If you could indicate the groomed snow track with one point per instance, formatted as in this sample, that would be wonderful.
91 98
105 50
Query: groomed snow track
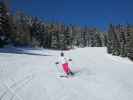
33 75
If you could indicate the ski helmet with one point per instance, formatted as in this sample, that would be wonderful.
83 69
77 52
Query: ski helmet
62 54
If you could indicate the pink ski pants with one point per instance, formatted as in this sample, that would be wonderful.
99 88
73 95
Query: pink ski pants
66 68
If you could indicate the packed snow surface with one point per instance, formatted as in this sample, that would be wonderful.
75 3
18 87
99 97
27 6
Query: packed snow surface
31 74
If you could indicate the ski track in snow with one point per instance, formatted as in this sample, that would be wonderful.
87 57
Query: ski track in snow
15 87
34 77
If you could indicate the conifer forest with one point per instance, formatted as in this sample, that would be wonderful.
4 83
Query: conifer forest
20 29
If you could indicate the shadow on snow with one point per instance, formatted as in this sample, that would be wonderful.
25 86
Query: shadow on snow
22 51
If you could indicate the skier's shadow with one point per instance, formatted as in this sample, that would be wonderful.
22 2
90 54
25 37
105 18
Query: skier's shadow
83 71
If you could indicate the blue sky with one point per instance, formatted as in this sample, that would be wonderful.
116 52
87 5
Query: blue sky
98 13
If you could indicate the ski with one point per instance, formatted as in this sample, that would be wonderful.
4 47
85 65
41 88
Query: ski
67 76
63 76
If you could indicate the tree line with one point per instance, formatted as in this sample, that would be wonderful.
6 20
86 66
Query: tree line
20 29
120 40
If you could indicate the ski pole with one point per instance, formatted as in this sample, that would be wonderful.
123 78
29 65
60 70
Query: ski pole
57 67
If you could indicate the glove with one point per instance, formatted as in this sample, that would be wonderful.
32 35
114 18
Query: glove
70 59
57 63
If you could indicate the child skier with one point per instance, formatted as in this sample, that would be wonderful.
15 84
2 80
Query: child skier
64 63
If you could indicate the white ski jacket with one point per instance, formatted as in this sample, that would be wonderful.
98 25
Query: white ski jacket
63 60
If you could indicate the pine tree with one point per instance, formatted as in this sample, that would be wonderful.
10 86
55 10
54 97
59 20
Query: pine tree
5 28
129 40
113 45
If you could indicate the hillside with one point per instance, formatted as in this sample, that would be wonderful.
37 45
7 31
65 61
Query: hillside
30 74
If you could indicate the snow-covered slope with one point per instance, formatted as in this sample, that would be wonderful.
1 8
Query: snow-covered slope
30 74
